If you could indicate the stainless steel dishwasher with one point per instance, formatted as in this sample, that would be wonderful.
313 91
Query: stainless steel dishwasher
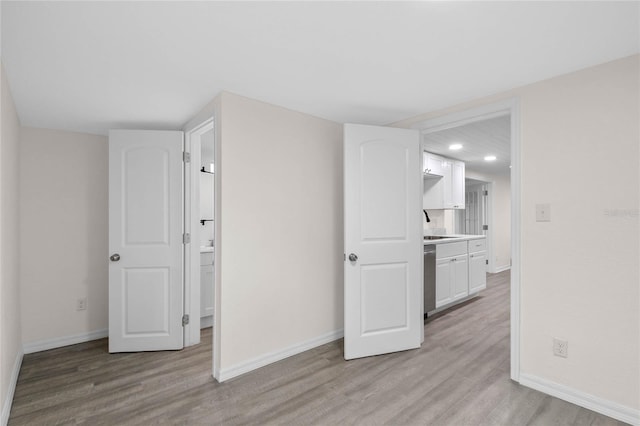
429 278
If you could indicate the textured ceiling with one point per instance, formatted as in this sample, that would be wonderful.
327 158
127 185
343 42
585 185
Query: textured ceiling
91 66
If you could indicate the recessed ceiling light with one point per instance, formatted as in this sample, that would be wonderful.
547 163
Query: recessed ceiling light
455 146
490 158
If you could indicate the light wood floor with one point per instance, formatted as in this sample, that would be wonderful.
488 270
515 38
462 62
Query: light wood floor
460 376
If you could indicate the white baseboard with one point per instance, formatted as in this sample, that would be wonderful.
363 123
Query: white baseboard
269 358
8 401
206 322
58 342
594 403
502 268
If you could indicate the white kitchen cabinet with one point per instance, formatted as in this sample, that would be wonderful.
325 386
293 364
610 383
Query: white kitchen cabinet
452 279
454 185
444 294
460 279
443 183
477 266
206 284
432 164
452 272
460 270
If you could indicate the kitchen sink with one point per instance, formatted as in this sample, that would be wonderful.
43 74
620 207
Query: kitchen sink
435 237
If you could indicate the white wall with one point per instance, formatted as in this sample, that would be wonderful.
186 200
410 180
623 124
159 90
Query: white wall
579 272
63 234
279 236
10 339
438 224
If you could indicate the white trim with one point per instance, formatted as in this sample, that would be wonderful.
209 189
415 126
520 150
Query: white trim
516 215
204 115
13 381
583 399
502 268
191 224
456 119
58 342
271 357
191 218
191 188
206 322
505 107
491 235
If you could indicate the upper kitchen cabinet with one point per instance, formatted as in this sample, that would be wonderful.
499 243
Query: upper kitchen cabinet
443 183
454 195
432 164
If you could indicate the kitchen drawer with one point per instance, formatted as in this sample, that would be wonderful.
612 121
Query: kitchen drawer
206 259
451 249
477 245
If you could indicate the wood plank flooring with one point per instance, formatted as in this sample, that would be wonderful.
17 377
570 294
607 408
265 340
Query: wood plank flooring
460 376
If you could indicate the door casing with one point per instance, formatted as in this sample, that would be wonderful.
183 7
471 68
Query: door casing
192 216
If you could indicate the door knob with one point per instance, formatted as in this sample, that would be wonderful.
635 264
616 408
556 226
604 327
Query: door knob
353 257
115 257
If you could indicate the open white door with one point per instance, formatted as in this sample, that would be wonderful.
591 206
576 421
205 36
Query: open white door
145 240
383 240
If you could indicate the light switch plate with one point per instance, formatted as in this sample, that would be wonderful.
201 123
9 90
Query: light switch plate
543 212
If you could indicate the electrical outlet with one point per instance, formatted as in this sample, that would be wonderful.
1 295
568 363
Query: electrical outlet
560 347
81 304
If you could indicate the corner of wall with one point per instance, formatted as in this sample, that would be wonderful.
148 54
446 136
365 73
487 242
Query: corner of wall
10 315
13 381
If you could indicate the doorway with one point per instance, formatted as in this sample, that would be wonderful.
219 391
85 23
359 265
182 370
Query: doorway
474 218
507 108
200 228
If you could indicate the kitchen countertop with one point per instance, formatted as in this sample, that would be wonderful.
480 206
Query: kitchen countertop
453 238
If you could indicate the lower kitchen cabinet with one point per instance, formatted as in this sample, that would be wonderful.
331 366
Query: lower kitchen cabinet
452 279
477 271
460 270
206 284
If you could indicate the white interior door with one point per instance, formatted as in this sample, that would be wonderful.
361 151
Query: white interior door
145 240
383 240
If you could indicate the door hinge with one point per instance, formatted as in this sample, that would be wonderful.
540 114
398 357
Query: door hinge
185 320
485 192
486 262
186 238
186 157
485 227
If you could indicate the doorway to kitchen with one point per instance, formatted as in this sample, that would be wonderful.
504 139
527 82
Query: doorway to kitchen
435 134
